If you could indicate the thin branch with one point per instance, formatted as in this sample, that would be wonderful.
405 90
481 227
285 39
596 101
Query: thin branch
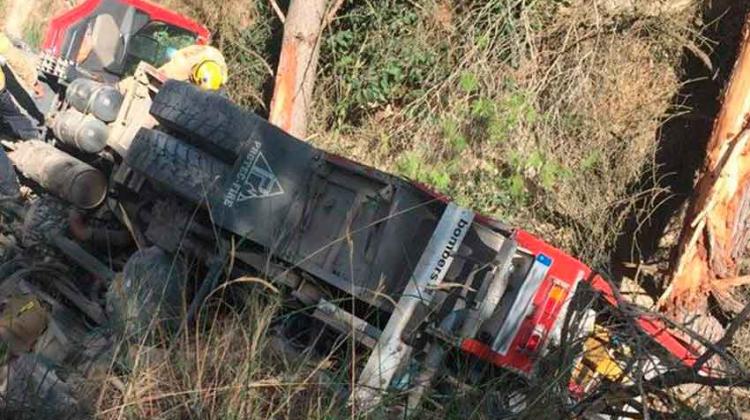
725 340
277 10
634 311
332 13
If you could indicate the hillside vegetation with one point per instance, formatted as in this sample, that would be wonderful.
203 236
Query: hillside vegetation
546 114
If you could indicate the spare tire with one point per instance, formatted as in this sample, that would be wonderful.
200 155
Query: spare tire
209 120
176 165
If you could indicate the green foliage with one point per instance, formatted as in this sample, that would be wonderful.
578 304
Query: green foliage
501 118
512 110
543 170
454 136
469 82
377 54
168 37
413 165
592 160
249 51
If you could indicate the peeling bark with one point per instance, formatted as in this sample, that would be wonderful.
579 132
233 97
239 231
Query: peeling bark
716 228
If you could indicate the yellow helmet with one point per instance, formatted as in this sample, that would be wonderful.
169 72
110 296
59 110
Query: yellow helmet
208 75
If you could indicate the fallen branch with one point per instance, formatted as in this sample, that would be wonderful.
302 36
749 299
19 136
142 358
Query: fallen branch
277 10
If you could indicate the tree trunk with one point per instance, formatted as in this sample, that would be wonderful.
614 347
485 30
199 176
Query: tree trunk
716 229
298 62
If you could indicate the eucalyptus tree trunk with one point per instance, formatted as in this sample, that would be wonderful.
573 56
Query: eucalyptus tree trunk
716 231
298 63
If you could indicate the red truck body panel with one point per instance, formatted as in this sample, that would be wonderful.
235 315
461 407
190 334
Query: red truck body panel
569 271
546 309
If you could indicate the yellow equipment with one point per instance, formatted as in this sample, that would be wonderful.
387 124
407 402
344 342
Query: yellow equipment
23 319
208 75
200 64
599 363
5 44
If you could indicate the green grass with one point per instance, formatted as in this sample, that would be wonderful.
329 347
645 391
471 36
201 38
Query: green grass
513 108
531 111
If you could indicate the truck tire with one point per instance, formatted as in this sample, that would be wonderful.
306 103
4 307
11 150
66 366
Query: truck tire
148 296
176 165
209 120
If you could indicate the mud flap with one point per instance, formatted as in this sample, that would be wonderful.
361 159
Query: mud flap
263 196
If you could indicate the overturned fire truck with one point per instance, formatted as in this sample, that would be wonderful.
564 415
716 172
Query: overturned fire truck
411 277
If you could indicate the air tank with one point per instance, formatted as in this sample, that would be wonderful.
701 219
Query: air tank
92 97
82 131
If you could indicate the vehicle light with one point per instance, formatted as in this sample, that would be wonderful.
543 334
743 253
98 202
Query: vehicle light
532 344
523 304
555 298
557 293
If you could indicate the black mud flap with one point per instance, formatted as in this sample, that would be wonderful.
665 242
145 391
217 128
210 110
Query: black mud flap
263 196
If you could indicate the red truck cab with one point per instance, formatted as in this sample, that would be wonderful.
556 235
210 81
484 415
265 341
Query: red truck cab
108 38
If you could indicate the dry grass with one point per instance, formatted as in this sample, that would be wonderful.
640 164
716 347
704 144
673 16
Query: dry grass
540 114
228 369
36 17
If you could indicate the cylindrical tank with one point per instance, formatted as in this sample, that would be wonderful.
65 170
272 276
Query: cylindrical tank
88 96
82 131
59 173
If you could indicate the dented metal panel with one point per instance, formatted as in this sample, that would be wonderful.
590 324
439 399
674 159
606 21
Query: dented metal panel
391 352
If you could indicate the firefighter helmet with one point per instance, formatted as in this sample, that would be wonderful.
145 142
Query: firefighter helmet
208 75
